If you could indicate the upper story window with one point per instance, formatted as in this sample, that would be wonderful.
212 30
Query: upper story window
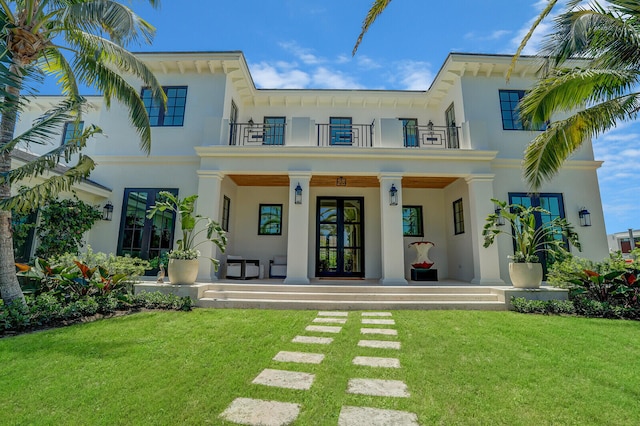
341 130
273 131
176 101
72 130
509 100
410 131
412 221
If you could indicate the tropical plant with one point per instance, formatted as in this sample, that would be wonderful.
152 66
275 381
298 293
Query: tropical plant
605 37
530 238
192 226
77 42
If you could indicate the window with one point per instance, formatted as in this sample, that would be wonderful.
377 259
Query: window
72 130
176 101
509 100
273 131
452 130
410 132
226 206
458 217
341 130
412 221
270 220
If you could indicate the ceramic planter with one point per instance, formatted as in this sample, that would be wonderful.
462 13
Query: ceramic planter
183 271
525 275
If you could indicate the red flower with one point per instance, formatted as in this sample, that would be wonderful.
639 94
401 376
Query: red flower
591 273
631 279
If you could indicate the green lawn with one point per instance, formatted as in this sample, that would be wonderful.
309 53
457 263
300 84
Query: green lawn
460 367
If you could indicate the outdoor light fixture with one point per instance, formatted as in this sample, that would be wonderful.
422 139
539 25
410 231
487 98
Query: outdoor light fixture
341 181
585 216
251 121
430 126
393 195
298 194
500 219
107 211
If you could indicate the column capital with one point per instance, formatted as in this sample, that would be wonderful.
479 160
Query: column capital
299 175
480 178
390 176
211 174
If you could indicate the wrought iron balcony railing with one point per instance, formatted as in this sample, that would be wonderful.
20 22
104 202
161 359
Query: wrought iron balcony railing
431 136
256 134
358 135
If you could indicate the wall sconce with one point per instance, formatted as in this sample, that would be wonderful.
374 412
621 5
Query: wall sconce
393 195
298 198
107 211
585 216
430 126
341 181
500 219
251 121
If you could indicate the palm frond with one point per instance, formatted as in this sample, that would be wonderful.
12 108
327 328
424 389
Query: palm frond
37 195
54 63
377 8
546 153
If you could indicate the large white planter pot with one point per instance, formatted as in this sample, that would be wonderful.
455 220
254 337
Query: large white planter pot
183 271
525 275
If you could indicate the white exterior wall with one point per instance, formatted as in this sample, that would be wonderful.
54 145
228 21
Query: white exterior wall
460 250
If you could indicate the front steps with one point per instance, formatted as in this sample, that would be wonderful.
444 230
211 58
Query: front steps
349 297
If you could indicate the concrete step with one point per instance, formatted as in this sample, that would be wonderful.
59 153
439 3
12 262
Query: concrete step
399 296
349 304
285 288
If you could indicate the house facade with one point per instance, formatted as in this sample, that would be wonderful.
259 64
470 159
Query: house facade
341 182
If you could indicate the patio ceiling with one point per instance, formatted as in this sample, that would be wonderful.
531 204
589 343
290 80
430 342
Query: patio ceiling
351 181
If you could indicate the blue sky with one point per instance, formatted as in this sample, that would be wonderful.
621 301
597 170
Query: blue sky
308 43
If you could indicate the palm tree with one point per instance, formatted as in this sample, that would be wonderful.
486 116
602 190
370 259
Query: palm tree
376 9
77 42
592 61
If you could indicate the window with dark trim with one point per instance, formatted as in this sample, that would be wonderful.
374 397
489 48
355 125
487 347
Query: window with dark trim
270 219
176 102
458 217
273 131
72 130
410 132
341 130
509 100
412 221
226 207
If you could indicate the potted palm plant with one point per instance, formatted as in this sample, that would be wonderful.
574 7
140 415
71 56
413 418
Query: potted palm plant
183 261
530 239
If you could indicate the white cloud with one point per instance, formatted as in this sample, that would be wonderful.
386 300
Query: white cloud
495 35
367 63
414 75
545 27
331 79
279 76
302 53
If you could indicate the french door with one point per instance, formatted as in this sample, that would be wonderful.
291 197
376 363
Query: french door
340 237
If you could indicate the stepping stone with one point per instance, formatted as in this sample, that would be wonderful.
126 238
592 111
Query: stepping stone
313 340
381 344
331 320
284 379
378 321
376 314
378 387
386 331
365 416
374 361
323 328
256 412
332 314
299 357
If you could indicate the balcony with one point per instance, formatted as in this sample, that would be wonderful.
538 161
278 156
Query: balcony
358 135
256 134
431 136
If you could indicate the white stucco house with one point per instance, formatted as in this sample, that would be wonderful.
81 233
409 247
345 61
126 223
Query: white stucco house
310 174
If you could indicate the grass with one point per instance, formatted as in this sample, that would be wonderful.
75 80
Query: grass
460 367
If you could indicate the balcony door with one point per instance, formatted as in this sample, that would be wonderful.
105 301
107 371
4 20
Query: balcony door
340 237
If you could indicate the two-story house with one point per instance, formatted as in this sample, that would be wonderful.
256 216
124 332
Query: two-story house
339 181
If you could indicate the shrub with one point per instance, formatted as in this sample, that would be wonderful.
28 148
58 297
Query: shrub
557 307
131 267
559 272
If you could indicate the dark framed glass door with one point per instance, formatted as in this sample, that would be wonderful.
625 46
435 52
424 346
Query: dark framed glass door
340 237
139 236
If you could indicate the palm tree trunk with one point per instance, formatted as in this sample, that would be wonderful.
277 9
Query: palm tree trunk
9 287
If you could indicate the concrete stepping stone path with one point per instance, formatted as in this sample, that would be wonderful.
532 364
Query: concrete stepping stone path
374 361
284 379
331 320
378 387
333 314
376 314
299 357
258 412
323 328
313 340
366 416
385 331
379 321
380 344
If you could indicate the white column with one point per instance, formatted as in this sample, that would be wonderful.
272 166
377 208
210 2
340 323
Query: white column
208 204
298 231
391 226
486 261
